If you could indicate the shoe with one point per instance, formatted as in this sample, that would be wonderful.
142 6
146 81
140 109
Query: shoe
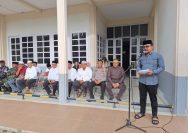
102 97
111 98
118 98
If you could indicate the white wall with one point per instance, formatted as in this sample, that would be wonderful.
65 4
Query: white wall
101 25
166 28
78 22
47 24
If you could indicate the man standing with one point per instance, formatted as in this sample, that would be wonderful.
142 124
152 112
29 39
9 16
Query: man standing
149 66
71 76
116 77
99 79
53 79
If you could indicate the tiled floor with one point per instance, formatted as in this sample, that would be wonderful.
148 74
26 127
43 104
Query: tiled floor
51 118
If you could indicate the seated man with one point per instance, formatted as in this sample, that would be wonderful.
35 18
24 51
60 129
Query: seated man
3 73
53 79
83 79
11 76
29 79
35 64
71 76
99 79
20 74
116 76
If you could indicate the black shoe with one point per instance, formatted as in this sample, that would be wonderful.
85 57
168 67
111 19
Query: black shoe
111 98
118 99
92 97
102 97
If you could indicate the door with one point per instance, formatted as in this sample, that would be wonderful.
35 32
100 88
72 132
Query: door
114 49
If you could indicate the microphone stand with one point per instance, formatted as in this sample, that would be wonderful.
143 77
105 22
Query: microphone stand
129 123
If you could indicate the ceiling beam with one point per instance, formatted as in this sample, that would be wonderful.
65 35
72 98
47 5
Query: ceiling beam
111 2
35 8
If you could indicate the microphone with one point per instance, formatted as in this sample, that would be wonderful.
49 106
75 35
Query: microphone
159 105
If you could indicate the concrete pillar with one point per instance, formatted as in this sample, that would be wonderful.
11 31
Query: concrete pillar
181 58
62 49
92 36
3 45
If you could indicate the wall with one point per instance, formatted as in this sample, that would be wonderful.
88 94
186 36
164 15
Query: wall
101 24
46 23
171 39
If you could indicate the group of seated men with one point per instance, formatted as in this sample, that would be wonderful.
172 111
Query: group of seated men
86 78
81 78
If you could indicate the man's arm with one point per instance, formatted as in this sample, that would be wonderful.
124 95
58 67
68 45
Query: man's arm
161 65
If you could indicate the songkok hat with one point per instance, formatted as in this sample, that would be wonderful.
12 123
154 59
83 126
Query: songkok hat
70 62
54 62
15 62
147 42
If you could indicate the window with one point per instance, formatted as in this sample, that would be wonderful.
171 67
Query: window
43 49
27 49
15 48
118 32
55 47
79 46
100 47
110 32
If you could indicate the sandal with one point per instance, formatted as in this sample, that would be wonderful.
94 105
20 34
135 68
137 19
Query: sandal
139 115
155 120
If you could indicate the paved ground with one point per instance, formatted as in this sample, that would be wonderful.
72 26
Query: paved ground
53 118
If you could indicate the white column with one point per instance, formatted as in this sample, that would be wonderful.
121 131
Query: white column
93 35
3 47
62 49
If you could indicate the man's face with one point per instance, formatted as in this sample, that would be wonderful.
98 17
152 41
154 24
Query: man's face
148 48
29 65
115 64
2 64
69 65
14 65
99 64
34 64
54 65
84 66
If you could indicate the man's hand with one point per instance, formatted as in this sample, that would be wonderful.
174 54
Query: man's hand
81 81
150 72
97 82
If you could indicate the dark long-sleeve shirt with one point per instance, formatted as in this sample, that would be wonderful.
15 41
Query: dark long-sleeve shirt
116 75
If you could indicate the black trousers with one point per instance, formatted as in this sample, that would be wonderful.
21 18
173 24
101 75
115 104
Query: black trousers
84 87
102 85
152 90
55 87
70 83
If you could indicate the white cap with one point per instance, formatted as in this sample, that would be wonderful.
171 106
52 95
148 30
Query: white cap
84 62
21 62
29 61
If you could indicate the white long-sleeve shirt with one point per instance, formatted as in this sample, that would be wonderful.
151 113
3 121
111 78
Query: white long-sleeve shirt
72 74
85 75
31 73
53 74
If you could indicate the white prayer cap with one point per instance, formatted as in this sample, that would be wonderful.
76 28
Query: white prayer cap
29 61
84 62
21 62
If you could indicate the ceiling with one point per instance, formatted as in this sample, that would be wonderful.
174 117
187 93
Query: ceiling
111 9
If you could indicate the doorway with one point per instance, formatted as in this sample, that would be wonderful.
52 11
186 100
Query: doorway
126 54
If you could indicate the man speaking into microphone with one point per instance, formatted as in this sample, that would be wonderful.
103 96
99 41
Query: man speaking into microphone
150 64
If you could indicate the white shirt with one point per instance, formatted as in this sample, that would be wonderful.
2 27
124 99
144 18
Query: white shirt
31 73
38 70
72 74
53 74
85 75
